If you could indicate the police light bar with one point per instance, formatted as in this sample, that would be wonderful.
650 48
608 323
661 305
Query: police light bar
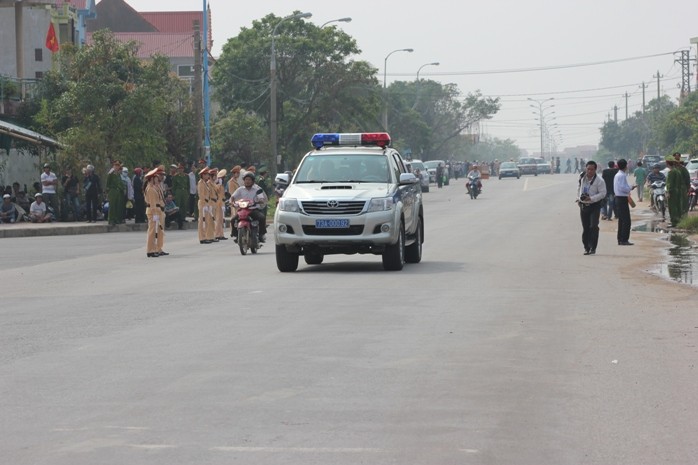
381 139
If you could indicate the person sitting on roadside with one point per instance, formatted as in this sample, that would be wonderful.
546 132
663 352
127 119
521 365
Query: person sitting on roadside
171 211
8 211
38 213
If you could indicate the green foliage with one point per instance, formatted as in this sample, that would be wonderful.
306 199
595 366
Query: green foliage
490 149
640 133
320 88
104 103
679 131
240 138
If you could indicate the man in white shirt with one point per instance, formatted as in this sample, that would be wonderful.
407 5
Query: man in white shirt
49 181
622 190
38 213
590 195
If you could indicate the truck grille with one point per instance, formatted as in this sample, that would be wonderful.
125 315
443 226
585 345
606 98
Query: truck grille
350 231
333 207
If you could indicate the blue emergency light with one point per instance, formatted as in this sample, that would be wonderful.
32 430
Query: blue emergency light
381 139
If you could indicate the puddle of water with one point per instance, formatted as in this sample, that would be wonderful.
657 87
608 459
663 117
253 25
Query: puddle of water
652 226
682 260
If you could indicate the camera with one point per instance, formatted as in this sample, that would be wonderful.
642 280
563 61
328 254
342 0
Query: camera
584 197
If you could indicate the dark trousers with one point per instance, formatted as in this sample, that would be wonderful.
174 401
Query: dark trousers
590 225
623 214
91 205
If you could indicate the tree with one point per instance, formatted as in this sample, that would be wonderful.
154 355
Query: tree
679 130
239 138
319 87
103 103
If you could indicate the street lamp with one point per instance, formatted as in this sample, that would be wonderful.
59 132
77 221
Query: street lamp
540 104
272 71
436 63
340 20
385 75
419 87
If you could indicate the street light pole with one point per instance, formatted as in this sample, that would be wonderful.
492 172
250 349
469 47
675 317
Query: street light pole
272 71
436 63
340 20
419 87
540 115
385 75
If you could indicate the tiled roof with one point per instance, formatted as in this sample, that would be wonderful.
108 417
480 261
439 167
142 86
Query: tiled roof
118 16
173 45
178 21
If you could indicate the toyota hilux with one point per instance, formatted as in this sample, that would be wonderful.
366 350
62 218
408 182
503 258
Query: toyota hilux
351 194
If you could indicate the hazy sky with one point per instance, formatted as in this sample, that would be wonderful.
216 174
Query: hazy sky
496 35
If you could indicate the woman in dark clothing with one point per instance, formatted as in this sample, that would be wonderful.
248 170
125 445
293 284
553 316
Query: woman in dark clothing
138 196
92 188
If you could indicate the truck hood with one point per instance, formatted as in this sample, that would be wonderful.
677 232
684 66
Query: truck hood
338 191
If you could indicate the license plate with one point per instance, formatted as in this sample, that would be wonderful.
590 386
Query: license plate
333 223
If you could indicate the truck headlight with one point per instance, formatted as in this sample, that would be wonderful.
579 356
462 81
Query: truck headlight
381 204
289 205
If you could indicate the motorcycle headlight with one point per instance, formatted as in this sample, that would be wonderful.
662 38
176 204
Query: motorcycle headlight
289 205
381 204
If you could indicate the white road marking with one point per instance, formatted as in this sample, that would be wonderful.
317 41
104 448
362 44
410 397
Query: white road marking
312 450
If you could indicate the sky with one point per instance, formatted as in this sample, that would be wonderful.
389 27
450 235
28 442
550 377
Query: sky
634 40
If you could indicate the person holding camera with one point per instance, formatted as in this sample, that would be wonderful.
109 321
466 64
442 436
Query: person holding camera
591 193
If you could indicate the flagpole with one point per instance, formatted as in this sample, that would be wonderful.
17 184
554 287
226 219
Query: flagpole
207 116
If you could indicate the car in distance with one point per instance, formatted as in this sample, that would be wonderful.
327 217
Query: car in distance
528 166
542 166
415 165
431 167
648 161
351 194
692 167
508 169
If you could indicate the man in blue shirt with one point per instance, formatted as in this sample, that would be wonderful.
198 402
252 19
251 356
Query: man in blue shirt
621 190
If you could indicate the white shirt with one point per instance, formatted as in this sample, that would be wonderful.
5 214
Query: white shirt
621 188
192 183
243 192
38 210
51 189
594 187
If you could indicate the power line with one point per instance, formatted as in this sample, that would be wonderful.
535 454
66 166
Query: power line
539 68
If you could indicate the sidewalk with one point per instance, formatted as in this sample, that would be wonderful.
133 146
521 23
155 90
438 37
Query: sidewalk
24 229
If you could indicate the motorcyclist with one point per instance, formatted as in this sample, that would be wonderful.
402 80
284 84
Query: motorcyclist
473 176
249 191
655 175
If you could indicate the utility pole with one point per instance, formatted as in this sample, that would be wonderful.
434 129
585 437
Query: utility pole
198 92
615 113
685 62
626 105
643 86
658 77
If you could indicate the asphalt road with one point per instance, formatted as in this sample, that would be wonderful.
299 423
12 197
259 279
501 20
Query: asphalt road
504 346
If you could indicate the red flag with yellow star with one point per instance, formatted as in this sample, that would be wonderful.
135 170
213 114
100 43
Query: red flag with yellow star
51 39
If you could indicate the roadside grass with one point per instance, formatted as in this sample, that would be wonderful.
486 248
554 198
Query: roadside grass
689 223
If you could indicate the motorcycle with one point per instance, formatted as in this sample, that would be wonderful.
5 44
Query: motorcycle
474 186
659 197
248 228
692 194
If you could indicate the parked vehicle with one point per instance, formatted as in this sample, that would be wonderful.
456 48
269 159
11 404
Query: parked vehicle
415 165
431 167
658 193
542 166
528 166
692 194
248 228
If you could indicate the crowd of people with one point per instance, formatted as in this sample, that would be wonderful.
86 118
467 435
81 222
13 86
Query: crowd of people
611 195
119 197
